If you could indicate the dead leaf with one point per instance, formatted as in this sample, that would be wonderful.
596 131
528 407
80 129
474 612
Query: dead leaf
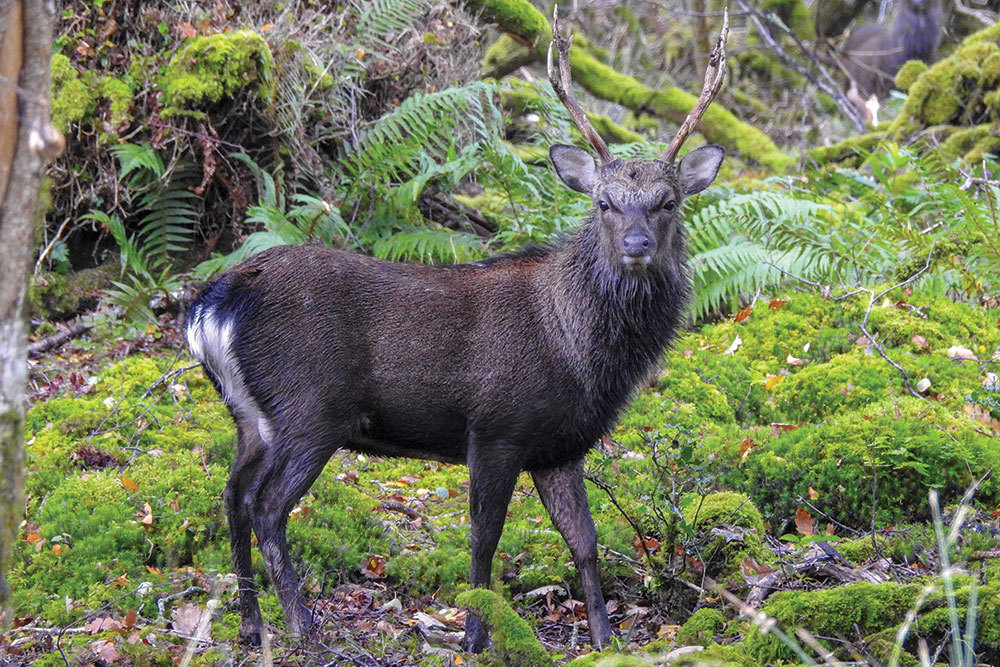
746 447
734 346
373 567
743 314
32 538
106 651
772 381
147 519
752 568
863 340
923 385
794 361
128 484
830 529
187 617
57 549
977 412
813 493
101 625
778 427
131 617
804 522
919 341
775 304
186 30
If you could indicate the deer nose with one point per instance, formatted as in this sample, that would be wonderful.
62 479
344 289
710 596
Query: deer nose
636 244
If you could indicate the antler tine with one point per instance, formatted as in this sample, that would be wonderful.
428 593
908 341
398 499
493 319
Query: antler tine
561 80
713 83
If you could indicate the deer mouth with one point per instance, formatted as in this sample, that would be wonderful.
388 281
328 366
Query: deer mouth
636 262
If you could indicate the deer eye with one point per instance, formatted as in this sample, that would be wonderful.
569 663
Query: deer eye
603 205
670 205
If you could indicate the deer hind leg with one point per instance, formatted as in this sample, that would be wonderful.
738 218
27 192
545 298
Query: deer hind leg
250 449
493 470
565 498
290 466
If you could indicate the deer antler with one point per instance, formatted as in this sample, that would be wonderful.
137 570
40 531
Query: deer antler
713 82
562 80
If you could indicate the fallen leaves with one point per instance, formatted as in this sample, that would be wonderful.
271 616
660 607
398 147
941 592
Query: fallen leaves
187 617
805 524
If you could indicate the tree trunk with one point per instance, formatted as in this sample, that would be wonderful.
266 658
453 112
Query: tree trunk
27 142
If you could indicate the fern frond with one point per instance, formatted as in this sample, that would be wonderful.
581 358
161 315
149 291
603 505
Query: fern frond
380 17
431 124
132 157
432 246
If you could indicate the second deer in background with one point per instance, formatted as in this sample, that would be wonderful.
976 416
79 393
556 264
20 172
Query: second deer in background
875 52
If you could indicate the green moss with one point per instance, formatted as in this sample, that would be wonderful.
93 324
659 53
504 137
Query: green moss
848 151
212 67
73 94
971 144
517 17
908 73
612 132
854 610
500 53
120 99
940 94
513 641
701 628
723 556
795 14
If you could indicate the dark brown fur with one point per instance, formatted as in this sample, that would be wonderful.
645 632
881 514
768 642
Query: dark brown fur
875 52
516 363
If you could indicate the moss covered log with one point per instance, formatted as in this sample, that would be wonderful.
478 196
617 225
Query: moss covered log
529 27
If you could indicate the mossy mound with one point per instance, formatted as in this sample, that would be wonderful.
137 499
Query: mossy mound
75 96
513 641
701 628
724 554
957 89
212 67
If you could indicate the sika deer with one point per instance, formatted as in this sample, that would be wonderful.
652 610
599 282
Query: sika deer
521 362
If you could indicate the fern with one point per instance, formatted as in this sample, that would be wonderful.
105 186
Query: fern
167 213
432 124
379 17
430 246
309 218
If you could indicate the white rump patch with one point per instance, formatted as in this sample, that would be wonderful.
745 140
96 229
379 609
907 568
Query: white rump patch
211 341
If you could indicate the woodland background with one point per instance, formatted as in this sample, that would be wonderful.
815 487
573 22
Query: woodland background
820 441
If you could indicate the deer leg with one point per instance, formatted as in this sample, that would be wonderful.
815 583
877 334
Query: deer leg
244 469
493 470
565 497
289 471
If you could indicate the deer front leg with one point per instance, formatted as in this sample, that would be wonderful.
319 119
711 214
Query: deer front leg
565 497
493 470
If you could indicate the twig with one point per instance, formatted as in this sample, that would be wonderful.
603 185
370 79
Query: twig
161 603
395 506
833 91
603 486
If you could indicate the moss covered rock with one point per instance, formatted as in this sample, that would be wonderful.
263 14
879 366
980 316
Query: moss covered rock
212 67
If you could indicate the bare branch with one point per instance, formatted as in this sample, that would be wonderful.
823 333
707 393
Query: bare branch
714 74
562 82
824 83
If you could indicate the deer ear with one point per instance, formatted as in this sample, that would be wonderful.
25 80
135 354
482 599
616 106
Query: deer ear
698 168
575 166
